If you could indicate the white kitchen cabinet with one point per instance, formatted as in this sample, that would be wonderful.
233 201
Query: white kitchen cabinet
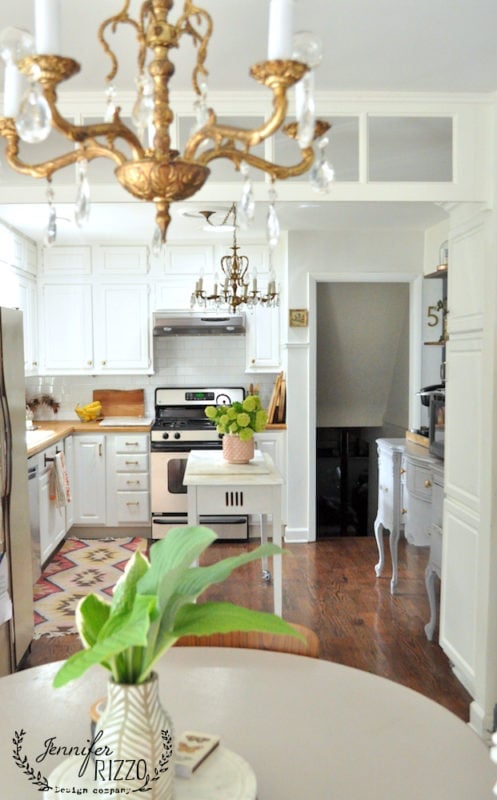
128 479
89 479
178 270
121 259
121 327
95 329
263 339
66 260
391 511
52 517
18 289
66 312
27 302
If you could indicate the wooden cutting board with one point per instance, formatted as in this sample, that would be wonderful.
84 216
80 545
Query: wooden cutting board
121 402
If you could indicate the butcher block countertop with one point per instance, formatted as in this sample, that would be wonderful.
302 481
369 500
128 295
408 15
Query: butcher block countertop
63 428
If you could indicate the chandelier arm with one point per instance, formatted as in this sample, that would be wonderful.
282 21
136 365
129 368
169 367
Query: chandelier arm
276 171
249 138
81 133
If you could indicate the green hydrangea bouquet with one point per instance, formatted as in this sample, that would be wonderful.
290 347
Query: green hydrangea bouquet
241 419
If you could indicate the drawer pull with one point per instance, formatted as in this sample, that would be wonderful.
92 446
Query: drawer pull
129 503
131 444
428 484
131 483
131 462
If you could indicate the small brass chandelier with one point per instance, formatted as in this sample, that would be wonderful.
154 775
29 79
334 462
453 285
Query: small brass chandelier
145 164
238 286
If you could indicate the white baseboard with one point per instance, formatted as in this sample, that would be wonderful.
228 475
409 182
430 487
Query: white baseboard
297 535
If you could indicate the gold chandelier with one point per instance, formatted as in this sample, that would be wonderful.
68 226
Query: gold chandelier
237 285
152 171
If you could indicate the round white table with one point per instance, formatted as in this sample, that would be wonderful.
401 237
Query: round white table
309 728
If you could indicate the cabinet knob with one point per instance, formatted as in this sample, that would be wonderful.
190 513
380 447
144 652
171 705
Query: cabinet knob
427 484
404 511
104 363
402 471
89 363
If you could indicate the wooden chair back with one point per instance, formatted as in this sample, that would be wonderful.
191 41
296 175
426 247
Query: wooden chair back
259 641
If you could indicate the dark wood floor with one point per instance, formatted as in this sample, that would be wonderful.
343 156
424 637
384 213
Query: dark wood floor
330 586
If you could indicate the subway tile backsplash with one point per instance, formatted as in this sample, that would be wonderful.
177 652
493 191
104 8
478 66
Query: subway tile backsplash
178 361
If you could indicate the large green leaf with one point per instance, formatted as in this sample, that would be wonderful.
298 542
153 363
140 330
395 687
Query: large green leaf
200 619
120 633
199 578
92 612
180 546
125 589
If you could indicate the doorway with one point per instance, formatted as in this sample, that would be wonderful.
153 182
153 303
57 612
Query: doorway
362 393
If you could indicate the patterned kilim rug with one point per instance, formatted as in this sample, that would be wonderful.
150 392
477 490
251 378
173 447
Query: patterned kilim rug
80 566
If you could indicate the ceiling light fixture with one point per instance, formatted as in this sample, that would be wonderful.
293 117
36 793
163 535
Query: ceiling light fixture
146 165
238 285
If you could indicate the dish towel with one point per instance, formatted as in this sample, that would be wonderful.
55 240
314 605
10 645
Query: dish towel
60 489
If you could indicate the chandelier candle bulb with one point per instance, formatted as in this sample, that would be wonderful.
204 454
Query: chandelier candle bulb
13 85
47 27
280 36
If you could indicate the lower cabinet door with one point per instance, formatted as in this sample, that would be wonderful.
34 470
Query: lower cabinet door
89 480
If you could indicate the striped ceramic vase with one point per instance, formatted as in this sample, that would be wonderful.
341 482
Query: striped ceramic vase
133 743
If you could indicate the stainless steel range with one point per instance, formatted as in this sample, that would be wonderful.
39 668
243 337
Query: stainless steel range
180 426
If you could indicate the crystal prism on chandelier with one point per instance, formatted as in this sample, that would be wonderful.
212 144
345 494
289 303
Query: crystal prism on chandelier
146 165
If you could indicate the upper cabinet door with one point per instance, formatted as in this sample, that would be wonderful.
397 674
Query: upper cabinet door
66 260
121 260
66 330
122 327
263 339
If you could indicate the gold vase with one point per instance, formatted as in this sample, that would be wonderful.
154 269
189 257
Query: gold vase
236 450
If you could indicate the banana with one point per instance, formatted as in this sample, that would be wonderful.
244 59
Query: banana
89 412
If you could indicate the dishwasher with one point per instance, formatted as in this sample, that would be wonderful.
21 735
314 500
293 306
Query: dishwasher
34 516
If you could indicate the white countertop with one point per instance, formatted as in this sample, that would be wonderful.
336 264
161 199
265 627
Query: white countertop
210 467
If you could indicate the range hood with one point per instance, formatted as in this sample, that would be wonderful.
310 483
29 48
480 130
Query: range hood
191 323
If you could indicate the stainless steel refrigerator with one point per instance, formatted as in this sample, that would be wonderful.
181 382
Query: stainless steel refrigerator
16 575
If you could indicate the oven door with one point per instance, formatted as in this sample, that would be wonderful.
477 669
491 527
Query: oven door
168 493
169 500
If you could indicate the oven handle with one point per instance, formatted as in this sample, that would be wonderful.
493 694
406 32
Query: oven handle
183 448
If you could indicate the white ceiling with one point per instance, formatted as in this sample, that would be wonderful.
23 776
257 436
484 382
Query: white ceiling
425 46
